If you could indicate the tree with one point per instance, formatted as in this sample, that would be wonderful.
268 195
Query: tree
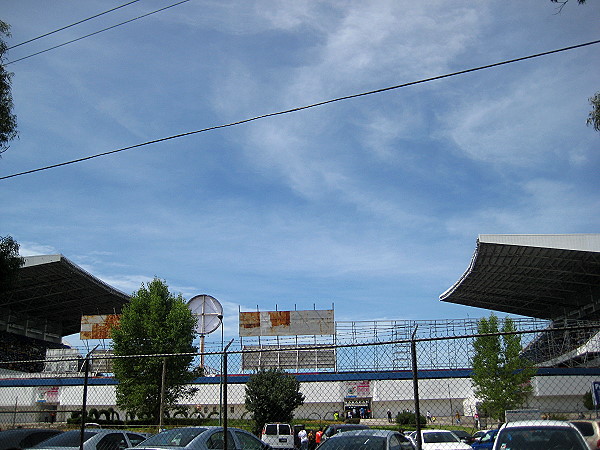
594 116
8 121
588 401
501 378
272 396
10 262
153 322
564 2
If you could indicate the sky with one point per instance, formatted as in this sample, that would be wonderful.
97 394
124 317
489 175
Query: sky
371 205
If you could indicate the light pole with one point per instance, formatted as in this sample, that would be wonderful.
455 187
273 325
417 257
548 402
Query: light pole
220 317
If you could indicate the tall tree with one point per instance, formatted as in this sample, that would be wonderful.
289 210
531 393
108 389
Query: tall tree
272 396
501 378
8 121
153 322
10 262
594 116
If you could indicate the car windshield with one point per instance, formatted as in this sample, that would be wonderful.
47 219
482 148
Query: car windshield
66 439
439 436
177 437
562 438
345 442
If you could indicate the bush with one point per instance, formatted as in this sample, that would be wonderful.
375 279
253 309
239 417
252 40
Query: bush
408 418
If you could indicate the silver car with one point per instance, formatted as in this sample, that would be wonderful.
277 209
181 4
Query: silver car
93 439
203 438
367 440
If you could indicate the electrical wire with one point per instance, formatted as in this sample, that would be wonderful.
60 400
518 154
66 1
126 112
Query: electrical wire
96 32
72 25
301 108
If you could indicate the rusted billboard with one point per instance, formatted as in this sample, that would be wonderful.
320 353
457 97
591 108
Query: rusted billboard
287 323
98 327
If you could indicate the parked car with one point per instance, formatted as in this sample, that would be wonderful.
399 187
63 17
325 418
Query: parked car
590 429
341 428
486 441
479 434
439 440
539 435
93 439
463 436
203 438
278 435
21 438
367 440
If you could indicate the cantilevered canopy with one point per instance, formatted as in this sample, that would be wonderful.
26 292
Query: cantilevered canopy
543 276
52 294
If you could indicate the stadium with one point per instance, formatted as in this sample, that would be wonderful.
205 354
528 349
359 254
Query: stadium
549 283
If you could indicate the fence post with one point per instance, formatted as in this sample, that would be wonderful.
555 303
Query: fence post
413 352
86 368
162 395
224 356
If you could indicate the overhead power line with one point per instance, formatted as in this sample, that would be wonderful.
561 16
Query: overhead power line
73 24
301 108
96 32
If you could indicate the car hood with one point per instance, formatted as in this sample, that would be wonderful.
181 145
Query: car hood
447 446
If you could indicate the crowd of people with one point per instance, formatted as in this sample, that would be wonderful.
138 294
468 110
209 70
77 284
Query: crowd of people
310 439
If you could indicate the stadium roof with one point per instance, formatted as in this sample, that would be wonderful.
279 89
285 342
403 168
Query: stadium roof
53 292
543 276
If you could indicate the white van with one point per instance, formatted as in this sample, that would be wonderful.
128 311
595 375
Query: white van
278 435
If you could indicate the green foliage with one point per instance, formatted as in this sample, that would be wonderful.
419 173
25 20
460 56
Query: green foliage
408 418
272 396
500 376
594 116
8 121
154 322
588 401
10 262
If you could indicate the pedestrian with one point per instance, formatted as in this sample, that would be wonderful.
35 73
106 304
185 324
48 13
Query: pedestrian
336 416
319 436
476 419
457 415
389 414
429 417
303 436
311 440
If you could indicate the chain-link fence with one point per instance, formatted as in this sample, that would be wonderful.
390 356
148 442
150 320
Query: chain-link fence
382 383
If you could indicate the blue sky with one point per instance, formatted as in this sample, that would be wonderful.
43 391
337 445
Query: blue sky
372 204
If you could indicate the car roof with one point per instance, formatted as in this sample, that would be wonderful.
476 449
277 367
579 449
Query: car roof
435 431
366 432
18 431
537 423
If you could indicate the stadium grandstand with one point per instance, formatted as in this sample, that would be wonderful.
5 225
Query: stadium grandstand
550 277
45 304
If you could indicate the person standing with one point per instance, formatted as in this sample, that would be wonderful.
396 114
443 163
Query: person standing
389 414
311 440
429 416
303 436
319 436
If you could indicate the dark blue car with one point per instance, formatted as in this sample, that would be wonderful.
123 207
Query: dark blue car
486 441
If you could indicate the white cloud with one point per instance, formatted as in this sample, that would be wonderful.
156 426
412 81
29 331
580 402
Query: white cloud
27 248
542 206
